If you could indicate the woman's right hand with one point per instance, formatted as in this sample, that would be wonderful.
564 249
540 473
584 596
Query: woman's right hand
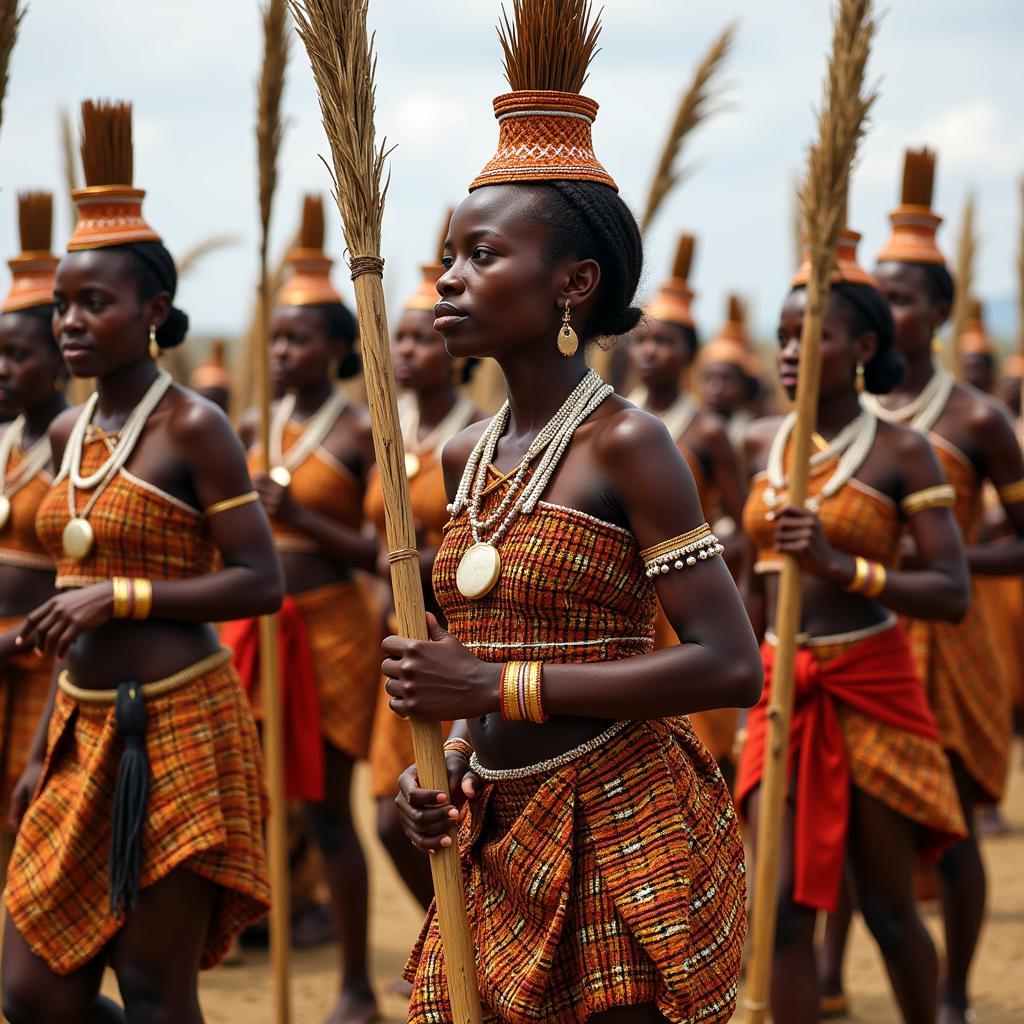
429 817
24 790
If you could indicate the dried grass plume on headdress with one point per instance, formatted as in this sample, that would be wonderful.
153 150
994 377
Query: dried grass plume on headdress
309 280
34 269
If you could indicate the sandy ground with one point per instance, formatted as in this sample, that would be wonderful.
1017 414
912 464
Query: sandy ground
241 995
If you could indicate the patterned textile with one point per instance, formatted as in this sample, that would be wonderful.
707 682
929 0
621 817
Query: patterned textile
962 676
24 687
615 881
1002 603
140 530
860 716
19 544
206 810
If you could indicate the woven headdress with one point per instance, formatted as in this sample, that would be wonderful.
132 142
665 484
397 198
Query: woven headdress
975 340
672 301
309 281
732 345
34 269
544 124
846 269
914 225
213 372
425 297
109 209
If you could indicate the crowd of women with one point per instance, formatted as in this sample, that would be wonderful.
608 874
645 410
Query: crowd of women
594 661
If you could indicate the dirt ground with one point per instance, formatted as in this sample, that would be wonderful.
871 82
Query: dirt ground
241 994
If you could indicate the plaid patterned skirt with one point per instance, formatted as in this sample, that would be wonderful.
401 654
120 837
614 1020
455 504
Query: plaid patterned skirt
24 687
618 880
206 810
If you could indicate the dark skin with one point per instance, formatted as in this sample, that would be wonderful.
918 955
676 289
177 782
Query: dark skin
660 354
1008 391
723 388
979 371
188 449
881 844
503 296
302 357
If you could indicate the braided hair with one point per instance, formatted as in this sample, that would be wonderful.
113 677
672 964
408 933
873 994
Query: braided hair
590 221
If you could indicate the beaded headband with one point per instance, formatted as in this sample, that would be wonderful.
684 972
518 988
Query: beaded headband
34 269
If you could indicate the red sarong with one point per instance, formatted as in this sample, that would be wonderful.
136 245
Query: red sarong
875 677
303 739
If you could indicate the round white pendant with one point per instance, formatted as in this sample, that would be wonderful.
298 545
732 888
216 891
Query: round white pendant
5 511
479 571
281 476
78 539
412 464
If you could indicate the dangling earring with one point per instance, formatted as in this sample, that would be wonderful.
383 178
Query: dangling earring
567 340
154 346
936 345
859 383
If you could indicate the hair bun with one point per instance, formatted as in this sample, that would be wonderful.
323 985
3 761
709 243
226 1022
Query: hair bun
173 330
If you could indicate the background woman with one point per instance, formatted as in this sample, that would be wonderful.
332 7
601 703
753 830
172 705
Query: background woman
143 846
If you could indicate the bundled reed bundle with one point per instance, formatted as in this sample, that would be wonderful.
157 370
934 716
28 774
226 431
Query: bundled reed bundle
966 247
823 198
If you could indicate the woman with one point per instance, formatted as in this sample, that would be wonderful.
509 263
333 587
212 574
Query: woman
869 779
662 350
603 866
312 486
433 412
142 849
974 441
32 379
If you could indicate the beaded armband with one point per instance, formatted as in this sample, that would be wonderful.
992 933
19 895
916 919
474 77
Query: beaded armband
940 496
1011 494
681 552
229 503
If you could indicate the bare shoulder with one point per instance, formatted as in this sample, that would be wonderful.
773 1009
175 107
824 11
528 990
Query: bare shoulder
194 422
983 415
60 430
903 442
759 437
710 428
625 432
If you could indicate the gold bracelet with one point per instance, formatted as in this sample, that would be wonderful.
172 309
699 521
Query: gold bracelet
940 496
143 592
510 691
861 569
122 597
457 745
675 542
532 702
1011 494
877 582
229 503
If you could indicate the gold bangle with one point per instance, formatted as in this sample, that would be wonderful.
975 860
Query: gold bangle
1011 494
533 702
229 503
940 496
877 582
457 745
860 575
510 691
122 597
143 598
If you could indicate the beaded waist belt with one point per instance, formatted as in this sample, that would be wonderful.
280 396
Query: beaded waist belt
552 764
157 688
853 637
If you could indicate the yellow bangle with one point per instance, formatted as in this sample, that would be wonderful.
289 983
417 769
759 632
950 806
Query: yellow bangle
532 701
122 597
510 691
143 590
860 575
940 496
877 582
229 503
1011 494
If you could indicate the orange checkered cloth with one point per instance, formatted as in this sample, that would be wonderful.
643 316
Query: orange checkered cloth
958 663
619 878
19 543
205 814
24 687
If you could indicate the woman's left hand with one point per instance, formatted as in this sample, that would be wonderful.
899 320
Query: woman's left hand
438 678
55 625
799 533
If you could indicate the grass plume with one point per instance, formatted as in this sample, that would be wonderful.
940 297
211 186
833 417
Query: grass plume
966 247
35 221
11 13
269 122
106 146
549 44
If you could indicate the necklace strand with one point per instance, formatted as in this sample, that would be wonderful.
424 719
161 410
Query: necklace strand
33 461
455 420
922 412
317 427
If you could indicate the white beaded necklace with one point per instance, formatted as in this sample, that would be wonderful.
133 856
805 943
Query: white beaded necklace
851 446
923 411
34 462
480 567
318 426
78 538
677 417
456 420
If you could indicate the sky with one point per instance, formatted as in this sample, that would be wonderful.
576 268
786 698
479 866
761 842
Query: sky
949 75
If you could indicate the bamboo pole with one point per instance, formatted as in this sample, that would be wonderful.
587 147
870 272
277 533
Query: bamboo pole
269 129
823 198
341 54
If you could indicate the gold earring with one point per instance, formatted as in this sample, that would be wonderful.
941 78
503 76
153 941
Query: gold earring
859 384
154 346
936 345
567 340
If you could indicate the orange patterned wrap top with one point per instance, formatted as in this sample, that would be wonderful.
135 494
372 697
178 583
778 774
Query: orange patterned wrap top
572 589
141 531
321 483
19 543
426 494
964 479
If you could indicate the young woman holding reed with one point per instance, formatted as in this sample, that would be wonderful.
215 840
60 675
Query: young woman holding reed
572 512
142 848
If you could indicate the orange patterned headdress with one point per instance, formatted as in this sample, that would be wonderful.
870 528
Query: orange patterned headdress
672 301
975 340
213 372
309 283
544 124
425 297
34 269
846 269
109 209
732 345
914 225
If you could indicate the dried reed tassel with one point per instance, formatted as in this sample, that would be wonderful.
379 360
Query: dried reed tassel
35 221
10 21
312 228
966 247
107 157
69 160
684 257
918 177
841 124
694 108
549 44
341 52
